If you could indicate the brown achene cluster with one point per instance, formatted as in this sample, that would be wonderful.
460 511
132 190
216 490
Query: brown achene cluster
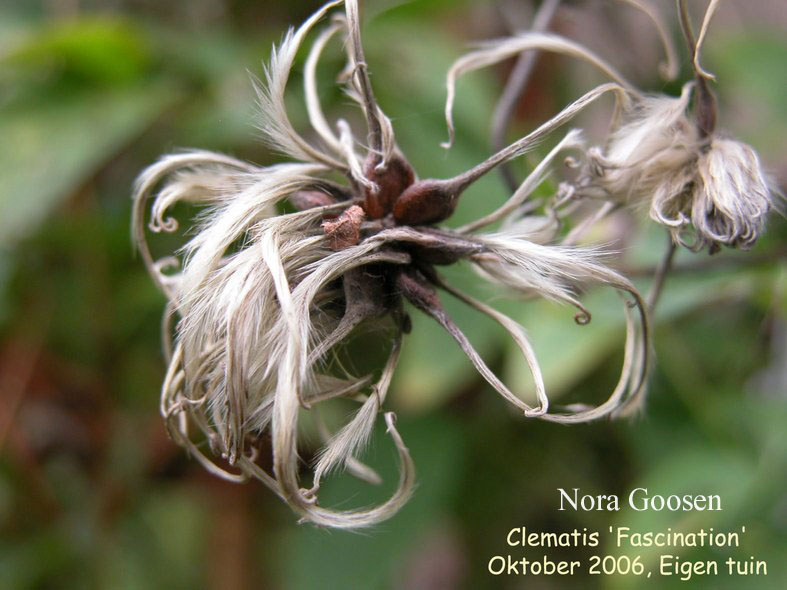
398 202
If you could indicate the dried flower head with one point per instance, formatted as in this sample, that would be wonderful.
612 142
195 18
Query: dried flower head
263 300
708 190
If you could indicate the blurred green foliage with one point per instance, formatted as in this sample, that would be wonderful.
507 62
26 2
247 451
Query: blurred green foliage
92 494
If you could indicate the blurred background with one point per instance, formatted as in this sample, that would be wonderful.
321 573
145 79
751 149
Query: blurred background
92 492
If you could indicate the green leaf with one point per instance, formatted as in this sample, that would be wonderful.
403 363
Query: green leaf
56 144
752 78
89 50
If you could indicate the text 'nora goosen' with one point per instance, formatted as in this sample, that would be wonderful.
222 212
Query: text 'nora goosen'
640 500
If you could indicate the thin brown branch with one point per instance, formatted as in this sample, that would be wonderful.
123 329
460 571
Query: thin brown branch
515 86
710 264
660 276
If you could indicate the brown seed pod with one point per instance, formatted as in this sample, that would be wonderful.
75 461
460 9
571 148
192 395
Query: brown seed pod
427 201
309 199
391 182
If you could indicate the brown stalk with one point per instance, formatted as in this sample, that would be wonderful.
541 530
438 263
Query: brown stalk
705 107
515 86
660 276
415 287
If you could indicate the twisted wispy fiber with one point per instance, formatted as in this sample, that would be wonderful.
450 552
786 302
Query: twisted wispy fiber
260 303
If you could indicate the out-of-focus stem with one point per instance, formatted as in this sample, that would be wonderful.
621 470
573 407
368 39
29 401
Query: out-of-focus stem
517 82
662 270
